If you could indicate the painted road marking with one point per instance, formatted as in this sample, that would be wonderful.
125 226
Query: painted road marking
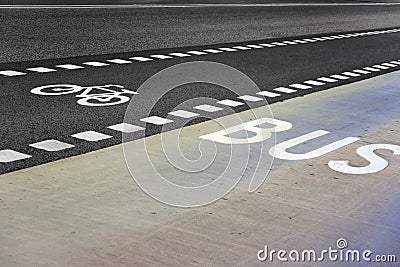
91 136
314 83
11 73
197 53
362 71
255 46
161 56
372 69
242 47
70 67
125 128
119 61
179 55
300 86
380 67
395 62
351 74
339 77
156 120
309 40
328 80
230 103
9 155
227 49
268 94
184 114
250 98
208 108
41 69
51 145
277 43
268 45
285 90
141 59
389 65
213 51
300 41
96 64
290 42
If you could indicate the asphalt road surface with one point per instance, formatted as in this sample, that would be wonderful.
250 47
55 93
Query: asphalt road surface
29 118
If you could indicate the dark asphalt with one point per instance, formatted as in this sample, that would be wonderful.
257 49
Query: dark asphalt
27 118
28 34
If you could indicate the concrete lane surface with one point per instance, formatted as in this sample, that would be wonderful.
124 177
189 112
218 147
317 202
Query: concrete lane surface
87 210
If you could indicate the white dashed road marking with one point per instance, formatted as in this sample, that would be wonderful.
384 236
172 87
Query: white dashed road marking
362 71
250 98
372 69
51 145
213 51
9 155
351 74
156 120
197 53
231 103
268 94
96 64
91 136
119 61
300 86
339 77
179 55
141 59
328 80
70 67
11 73
41 69
285 90
161 56
184 114
208 108
125 128
311 82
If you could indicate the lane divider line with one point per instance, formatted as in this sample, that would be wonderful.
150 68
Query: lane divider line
41 69
284 90
51 145
70 67
91 136
156 120
125 128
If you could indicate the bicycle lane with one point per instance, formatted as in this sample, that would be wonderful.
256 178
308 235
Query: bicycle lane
28 118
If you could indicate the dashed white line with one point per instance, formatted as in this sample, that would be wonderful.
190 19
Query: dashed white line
197 53
284 90
351 74
328 80
125 127
70 67
184 114
309 40
161 56
300 41
268 45
290 42
380 67
300 86
91 136
250 98
156 120
208 108
227 49
362 71
96 64
255 46
119 61
339 77
41 69
141 59
213 51
11 73
268 94
179 55
242 47
311 82
389 65
9 155
277 43
51 145
230 103
371 69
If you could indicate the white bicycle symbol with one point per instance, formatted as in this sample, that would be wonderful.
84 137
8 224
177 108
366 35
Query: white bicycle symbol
88 98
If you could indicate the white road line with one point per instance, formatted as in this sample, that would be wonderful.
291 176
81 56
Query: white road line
250 98
70 67
208 108
119 61
183 114
284 90
318 39
389 65
300 86
41 69
125 128
91 136
380 67
268 94
242 47
161 56
290 42
141 59
96 64
395 62
9 155
362 71
213 51
52 145
197 53
179 55
230 103
277 43
309 40
300 41
227 49
351 74
156 120
268 45
371 69
328 80
255 46
11 73
339 77
314 83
